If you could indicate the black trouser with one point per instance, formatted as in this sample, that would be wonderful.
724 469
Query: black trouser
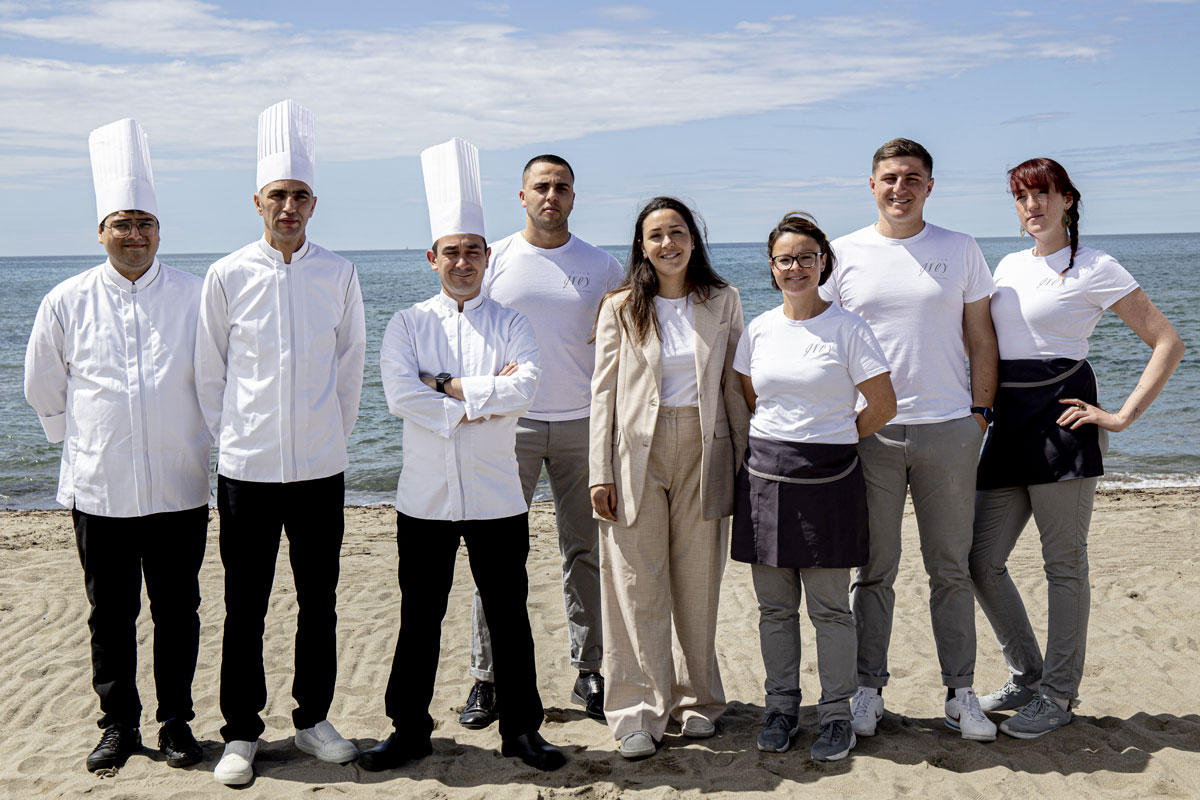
115 552
252 515
497 549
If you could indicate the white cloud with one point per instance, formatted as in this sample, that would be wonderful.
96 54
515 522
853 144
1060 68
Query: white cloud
754 27
1016 13
626 12
200 78
1045 116
495 9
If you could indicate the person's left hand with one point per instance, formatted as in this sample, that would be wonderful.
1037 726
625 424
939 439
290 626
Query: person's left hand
1081 413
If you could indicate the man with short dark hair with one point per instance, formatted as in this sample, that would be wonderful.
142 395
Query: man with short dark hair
109 372
279 366
556 280
925 291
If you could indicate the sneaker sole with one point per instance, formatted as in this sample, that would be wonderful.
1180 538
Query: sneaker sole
838 756
864 731
970 737
238 779
1030 734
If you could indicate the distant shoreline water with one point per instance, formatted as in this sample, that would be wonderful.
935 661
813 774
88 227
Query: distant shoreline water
1158 451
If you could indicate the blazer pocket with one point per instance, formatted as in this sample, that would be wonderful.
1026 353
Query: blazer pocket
722 429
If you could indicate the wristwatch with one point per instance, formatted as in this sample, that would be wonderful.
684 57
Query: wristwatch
984 412
441 379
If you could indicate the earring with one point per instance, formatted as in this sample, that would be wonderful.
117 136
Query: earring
1066 221
1022 231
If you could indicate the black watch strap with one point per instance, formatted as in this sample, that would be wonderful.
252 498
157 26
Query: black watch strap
440 380
984 412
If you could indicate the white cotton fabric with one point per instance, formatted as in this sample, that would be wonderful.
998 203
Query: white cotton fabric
109 372
287 145
677 333
559 292
456 470
1040 313
452 189
121 173
805 373
912 292
279 362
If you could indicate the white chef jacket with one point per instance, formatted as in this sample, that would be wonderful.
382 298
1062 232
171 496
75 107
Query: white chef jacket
279 362
109 372
455 470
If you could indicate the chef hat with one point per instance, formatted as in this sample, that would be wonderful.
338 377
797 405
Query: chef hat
287 144
121 171
452 188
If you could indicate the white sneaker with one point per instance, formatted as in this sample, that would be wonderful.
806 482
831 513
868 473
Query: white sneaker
1009 697
236 766
866 709
964 715
324 742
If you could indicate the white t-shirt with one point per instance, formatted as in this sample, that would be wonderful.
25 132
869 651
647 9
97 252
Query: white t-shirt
558 291
912 292
805 373
677 331
1040 314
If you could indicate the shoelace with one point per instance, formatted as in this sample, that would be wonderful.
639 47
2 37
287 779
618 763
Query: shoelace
1035 708
860 707
834 731
777 719
111 737
972 708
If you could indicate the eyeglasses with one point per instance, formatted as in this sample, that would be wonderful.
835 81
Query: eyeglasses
805 260
123 227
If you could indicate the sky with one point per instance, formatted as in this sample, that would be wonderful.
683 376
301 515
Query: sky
744 110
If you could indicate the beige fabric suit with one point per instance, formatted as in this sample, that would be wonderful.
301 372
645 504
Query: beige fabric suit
661 562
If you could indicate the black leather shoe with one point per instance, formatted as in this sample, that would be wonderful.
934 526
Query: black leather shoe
117 743
589 693
176 742
480 710
534 751
393 752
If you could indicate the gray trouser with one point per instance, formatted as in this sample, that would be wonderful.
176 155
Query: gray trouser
1063 513
936 461
778 590
563 446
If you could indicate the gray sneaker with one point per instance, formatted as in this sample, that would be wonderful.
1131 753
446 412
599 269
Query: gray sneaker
778 730
1040 716
834 742
1008 697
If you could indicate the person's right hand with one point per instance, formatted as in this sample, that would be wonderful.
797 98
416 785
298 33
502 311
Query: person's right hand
604 501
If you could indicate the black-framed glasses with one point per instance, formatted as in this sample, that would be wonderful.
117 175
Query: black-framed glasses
123 227
804 260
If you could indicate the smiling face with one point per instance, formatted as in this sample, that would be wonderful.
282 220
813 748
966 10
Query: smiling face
460 260
548 195
798 281
1041 211
667 244
900 186
285 207
133 254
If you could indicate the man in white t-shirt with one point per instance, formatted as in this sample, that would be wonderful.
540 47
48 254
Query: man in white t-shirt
925 292
557 281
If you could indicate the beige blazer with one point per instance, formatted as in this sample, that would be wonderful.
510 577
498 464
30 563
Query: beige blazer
627 385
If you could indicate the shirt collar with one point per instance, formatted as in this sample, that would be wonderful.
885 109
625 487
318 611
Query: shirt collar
275 255
124 284
449 303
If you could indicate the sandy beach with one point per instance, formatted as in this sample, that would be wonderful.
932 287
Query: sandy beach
1136 734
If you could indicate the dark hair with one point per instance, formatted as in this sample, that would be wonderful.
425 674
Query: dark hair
901 148
642 281
1045 174
546 158
803 224
433 247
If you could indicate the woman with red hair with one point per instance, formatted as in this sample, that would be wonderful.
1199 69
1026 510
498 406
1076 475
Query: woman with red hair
1044 452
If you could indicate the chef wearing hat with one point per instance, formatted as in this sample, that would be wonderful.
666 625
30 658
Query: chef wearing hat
459 369
279 367
109 372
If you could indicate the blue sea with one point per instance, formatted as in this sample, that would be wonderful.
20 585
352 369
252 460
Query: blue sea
1159 450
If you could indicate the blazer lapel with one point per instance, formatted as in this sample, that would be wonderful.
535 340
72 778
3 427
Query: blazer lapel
706 317
652 353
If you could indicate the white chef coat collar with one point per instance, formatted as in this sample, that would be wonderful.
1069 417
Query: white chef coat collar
274 254
126 285
450 303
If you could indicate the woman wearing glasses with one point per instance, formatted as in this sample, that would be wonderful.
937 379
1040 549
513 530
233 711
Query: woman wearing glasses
668 424
1043 454
800 515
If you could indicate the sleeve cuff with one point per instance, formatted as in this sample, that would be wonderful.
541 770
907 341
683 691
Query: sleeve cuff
55 427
